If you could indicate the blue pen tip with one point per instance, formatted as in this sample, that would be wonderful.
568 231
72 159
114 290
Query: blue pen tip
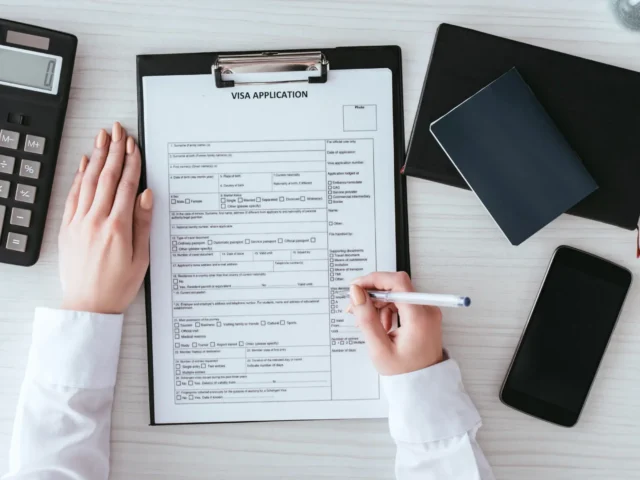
467 301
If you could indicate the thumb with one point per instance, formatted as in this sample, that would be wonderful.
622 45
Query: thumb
368 320
142 227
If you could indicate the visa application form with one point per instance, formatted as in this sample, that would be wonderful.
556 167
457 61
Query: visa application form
269 200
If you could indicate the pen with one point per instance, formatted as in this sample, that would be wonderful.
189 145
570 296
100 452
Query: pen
415 298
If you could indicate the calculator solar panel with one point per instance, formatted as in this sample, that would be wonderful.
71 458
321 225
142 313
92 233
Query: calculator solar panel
36 65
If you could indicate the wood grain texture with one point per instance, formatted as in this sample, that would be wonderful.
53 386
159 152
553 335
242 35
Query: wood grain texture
455 246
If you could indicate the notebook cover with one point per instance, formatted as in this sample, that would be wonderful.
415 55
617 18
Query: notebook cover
507 148
595 106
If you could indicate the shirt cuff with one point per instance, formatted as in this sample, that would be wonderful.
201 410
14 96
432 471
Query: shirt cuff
429 405
75 349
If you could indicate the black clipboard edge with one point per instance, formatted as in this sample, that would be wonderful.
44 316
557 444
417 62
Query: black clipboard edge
340 58
147 277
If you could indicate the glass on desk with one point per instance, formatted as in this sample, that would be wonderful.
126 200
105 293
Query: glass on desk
628 12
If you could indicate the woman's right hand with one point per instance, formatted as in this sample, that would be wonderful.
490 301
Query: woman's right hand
417 344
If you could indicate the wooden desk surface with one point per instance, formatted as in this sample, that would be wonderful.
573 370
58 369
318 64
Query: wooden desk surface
455 245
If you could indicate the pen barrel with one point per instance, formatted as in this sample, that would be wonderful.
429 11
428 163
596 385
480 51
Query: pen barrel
414 298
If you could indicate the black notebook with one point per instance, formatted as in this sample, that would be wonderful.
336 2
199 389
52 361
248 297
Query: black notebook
507 148
595 106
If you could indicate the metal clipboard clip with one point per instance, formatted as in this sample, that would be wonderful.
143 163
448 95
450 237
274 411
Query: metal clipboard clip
306 67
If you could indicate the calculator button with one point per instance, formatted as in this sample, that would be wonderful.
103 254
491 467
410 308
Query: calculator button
29 169
16 242
4 189
20 217
2 210
26 193
9 139
6 164
33 144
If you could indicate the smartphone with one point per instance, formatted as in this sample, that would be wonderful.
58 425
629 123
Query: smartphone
566 336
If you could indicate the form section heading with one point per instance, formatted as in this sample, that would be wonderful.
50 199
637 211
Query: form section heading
265 95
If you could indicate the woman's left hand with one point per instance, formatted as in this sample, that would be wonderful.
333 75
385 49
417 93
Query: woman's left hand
104 238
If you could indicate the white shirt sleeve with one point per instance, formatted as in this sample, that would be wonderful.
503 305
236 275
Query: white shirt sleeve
434 423
63 421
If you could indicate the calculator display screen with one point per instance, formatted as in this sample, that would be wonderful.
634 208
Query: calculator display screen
29 70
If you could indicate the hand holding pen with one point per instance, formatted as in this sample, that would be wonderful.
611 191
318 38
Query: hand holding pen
417 345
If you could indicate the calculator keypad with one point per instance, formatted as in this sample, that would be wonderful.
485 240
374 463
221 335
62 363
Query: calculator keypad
9 139
17 170
6 164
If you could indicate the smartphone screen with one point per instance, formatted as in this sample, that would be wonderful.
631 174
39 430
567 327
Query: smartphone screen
566 336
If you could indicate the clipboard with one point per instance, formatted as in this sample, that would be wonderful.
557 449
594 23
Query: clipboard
310 66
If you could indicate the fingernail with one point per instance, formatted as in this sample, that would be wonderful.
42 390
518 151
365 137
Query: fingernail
131 145
358 297
101 139
146 200
116 132
83 164
349 309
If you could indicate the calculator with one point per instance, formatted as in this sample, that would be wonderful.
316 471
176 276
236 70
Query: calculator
36 65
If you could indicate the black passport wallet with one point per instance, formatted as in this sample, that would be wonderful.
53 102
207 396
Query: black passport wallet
509 151
595 106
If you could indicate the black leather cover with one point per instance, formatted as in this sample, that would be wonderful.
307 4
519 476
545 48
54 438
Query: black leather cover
595 106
